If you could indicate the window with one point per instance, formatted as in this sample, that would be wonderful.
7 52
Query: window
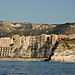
48 38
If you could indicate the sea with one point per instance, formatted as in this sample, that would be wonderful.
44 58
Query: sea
36 68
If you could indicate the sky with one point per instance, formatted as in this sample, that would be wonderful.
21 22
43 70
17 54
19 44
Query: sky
38 11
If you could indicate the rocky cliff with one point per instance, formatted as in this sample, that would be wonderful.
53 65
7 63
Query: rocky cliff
65 51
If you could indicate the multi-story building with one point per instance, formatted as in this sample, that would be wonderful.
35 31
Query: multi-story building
5 46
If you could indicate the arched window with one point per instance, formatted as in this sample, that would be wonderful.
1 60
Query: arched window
48 38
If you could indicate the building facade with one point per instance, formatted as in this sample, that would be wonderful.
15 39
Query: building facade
5 48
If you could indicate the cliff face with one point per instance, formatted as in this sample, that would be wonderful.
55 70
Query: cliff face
65 51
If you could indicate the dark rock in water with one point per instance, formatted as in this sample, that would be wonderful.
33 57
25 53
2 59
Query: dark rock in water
47 59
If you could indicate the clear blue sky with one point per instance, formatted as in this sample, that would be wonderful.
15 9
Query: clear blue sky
38 11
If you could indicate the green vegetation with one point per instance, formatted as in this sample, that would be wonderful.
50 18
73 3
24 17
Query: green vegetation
66 44
36 29
70 39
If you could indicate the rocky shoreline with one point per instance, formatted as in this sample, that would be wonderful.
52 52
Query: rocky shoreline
33 59
22 59
65 51
68 59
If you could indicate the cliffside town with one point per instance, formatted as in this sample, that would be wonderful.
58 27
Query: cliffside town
27 40
37 47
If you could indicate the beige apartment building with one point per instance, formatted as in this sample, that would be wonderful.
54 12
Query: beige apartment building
5 48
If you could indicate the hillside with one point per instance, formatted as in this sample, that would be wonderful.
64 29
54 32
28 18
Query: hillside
67 28
8 28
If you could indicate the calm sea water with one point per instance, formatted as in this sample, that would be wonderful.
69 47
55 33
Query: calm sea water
36 68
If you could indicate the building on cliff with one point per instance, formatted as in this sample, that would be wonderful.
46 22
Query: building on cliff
5 48
25 46
29 46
